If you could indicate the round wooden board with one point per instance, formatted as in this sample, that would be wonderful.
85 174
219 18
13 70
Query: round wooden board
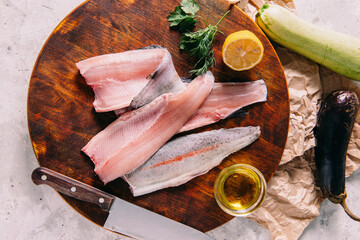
62 120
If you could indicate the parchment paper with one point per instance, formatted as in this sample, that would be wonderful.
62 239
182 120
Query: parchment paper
293 199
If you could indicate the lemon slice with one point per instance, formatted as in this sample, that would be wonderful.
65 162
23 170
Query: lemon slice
242 50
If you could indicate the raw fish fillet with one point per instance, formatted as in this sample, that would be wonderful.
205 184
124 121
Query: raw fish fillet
117 78
187 157
225 99
164 79
135 136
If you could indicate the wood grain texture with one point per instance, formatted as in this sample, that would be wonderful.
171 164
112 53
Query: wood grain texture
62 120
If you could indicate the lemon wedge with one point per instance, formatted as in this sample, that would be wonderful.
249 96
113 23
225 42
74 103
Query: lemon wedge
242 50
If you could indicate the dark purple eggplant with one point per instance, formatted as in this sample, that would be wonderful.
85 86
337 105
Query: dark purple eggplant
335 121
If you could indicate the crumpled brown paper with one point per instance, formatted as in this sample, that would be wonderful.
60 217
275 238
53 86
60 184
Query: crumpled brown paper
293 199
304 93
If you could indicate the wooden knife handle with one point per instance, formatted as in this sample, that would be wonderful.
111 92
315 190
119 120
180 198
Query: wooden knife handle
72 187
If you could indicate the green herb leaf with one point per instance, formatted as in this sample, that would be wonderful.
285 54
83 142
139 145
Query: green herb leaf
183 16
204 63
176 16
197 44
189 6
186 24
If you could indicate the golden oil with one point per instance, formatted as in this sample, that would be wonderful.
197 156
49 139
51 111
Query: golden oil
240 189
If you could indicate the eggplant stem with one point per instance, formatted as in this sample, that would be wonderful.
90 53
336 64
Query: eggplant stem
348 212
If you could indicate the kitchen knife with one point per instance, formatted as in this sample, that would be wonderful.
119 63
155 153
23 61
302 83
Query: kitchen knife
124 217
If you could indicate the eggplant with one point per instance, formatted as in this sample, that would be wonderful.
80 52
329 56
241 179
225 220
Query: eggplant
335 121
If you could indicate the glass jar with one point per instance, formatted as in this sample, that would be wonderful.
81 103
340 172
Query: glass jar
240 189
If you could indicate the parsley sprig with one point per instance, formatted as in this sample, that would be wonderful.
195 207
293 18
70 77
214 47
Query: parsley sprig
197 44
184 15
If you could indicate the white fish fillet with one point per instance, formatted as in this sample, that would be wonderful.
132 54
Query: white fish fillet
164 79
225 99
117 78
187 157
135 136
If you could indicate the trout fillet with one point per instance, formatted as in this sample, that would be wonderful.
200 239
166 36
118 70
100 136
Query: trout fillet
118 77
187 157
135 136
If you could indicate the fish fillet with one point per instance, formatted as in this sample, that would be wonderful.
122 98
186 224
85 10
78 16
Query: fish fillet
135 136
164 79
225 99
187 157
117 78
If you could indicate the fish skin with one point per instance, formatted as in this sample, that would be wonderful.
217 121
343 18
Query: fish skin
164 79
224 100
135 136
118 77
187 157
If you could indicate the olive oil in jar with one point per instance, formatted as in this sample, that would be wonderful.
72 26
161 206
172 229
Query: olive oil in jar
240 189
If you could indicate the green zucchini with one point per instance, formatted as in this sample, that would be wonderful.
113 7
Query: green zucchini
334 50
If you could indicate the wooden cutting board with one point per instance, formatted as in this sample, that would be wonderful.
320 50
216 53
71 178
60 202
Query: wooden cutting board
62 119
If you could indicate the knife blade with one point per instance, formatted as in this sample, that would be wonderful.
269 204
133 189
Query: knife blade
124 217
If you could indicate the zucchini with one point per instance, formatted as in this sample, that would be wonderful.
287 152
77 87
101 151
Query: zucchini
334 50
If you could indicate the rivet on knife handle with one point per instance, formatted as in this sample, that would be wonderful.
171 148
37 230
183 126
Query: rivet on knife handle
71 187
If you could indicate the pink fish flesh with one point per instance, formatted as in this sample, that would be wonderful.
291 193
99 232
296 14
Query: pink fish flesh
164 79
225 99
187 157
135 136
117 78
